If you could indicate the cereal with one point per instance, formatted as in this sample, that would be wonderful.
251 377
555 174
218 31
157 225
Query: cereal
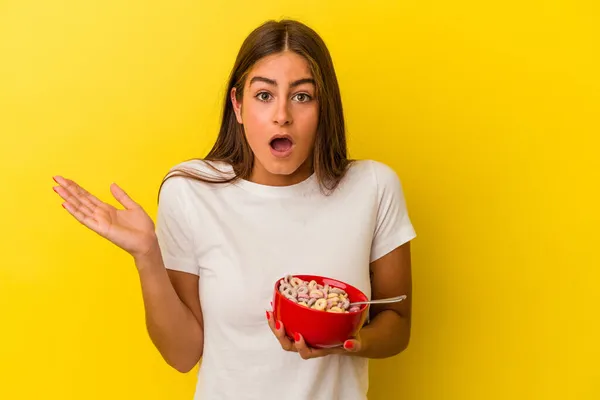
320 304
315 296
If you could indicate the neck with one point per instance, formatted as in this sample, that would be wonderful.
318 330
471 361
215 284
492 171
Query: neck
263 177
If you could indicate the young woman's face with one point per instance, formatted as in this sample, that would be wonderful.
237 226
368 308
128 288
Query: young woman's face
280 114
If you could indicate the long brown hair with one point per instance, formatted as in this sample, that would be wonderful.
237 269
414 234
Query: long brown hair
330 160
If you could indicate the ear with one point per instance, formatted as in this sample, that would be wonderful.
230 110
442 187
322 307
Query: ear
237 106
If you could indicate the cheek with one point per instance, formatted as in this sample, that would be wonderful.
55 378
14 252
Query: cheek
256 122
307 122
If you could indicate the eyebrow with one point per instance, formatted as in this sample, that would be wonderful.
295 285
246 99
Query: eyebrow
274 82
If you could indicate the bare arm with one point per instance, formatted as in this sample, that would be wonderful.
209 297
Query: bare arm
173 312
171 302
388 333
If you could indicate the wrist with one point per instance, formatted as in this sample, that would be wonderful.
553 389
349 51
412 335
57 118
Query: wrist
363 338
150 256
386 335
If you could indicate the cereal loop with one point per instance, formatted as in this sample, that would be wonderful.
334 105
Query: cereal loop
296 282
320 304
303 297
302 290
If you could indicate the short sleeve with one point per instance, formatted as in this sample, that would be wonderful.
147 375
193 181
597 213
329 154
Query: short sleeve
393 226
173 229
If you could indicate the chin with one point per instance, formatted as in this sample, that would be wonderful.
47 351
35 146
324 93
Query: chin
282 168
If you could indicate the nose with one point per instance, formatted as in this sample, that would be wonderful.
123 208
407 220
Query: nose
282 114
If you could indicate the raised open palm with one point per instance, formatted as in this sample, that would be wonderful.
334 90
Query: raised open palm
131 228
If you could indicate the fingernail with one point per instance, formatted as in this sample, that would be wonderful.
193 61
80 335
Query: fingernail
54 179
348 345
268 316
278 325
296 337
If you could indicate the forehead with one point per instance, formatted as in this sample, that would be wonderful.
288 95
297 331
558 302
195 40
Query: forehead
286 66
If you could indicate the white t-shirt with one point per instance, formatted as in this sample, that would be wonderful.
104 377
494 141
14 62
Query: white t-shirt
241 237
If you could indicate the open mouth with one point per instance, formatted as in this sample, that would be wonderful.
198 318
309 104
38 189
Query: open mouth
281 144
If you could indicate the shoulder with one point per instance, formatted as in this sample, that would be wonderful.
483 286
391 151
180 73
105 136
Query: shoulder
197 171
377 173
187 177
210 170
380 181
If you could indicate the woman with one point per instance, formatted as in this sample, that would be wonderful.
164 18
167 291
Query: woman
276 194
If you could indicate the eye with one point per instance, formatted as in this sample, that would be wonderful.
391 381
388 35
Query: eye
263 96
303 97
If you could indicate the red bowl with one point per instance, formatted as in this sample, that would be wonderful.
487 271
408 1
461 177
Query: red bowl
320 329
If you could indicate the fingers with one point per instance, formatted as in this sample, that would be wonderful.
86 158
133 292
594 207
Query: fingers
74 196
82 205
86 220
299 345
77 196
308 352
303 350
352 345
122 197
279 332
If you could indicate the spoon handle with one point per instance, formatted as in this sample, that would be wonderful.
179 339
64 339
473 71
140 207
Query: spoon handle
381 301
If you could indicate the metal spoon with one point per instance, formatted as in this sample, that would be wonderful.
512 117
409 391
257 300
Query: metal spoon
381 301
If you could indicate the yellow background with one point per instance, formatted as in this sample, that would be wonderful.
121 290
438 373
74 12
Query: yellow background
488 111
